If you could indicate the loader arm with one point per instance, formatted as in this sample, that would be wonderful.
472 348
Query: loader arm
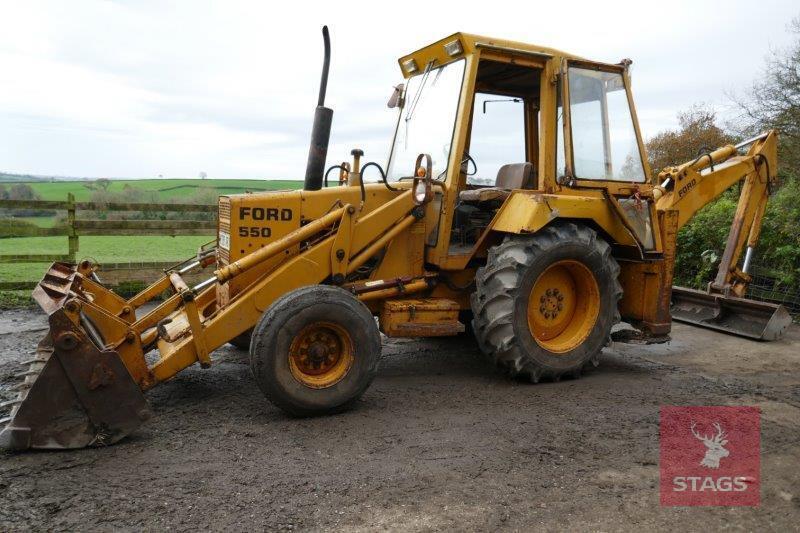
309 267
84 386
693 185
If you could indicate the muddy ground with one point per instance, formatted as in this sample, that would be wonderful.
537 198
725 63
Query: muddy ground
440 441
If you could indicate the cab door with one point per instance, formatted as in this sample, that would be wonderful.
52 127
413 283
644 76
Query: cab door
602 144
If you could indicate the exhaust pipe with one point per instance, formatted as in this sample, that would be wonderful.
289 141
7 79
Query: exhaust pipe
321 131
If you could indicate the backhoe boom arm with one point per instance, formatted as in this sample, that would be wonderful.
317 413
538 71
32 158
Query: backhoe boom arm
693 185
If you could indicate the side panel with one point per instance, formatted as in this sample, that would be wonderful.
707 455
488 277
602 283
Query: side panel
529 212
405 255
647 286
248 222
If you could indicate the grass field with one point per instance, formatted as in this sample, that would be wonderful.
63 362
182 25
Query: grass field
110 249
168 189
103 249
42 222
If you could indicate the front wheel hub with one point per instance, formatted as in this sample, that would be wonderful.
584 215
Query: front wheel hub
321 355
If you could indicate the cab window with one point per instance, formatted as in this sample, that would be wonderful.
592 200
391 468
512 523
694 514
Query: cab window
604 143
498 135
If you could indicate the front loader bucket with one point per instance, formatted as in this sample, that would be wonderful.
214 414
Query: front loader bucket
738 316
76 391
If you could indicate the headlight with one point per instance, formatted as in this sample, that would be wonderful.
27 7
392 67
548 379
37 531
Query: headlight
420 192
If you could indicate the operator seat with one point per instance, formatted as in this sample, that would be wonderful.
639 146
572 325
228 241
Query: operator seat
509 177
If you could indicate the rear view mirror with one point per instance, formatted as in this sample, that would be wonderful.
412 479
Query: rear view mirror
396 100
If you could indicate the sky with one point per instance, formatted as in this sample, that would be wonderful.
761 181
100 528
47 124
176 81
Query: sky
154 88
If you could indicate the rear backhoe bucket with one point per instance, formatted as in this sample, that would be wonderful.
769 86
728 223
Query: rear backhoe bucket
738 316
76 392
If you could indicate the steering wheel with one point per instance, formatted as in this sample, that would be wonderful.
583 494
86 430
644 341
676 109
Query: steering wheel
466 159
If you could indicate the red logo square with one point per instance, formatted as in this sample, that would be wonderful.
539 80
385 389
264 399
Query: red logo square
710 456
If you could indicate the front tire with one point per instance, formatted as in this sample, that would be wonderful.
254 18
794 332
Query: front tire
544 304
315 351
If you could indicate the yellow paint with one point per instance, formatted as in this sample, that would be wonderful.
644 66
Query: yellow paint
563 306
420 317
528 212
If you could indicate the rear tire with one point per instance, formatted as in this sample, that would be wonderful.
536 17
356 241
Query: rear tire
315 351
544 304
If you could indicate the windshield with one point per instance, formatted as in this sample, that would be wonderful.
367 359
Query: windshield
427 120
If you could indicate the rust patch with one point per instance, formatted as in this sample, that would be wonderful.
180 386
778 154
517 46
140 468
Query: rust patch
102 376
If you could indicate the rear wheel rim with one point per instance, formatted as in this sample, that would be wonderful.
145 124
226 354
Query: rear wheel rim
563 306
321 355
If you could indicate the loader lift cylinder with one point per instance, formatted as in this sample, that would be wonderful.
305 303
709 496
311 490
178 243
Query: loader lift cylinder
321 130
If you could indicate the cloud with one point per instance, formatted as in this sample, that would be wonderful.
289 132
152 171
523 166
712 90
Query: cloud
138 89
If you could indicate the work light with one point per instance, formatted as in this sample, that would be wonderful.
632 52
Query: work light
410 66
453 48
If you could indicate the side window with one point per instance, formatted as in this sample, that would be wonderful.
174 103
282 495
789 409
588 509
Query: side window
561 158
604 144
498 135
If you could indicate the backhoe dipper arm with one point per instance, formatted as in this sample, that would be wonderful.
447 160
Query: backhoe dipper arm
689 187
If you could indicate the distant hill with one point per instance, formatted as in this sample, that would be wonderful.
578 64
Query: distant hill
164 189
6 177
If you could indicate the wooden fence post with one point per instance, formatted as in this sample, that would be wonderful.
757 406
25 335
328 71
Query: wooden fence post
71 235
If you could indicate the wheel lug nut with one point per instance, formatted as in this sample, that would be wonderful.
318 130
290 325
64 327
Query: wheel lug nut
560 307
541 309
560 298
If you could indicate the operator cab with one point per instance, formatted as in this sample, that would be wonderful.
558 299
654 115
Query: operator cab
502 145
502 118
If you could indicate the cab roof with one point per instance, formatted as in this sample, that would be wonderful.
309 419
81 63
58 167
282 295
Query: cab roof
470 44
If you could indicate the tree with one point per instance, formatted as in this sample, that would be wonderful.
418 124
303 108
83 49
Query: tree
203 175
697 131
22 191
100 184
774 102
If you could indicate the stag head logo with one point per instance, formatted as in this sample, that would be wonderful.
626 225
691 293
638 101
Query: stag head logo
715 446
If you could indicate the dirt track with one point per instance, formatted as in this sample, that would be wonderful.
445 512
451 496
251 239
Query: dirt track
440 441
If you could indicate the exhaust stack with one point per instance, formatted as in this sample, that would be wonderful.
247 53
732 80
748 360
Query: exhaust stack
321 131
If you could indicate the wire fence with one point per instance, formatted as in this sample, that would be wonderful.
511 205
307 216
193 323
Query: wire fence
766 286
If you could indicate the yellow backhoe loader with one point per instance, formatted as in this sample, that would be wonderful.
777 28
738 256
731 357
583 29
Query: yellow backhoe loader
516 199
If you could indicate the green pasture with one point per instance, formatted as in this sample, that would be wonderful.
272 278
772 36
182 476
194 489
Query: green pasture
118 249
103 249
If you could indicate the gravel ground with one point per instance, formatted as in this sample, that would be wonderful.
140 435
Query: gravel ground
440 441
